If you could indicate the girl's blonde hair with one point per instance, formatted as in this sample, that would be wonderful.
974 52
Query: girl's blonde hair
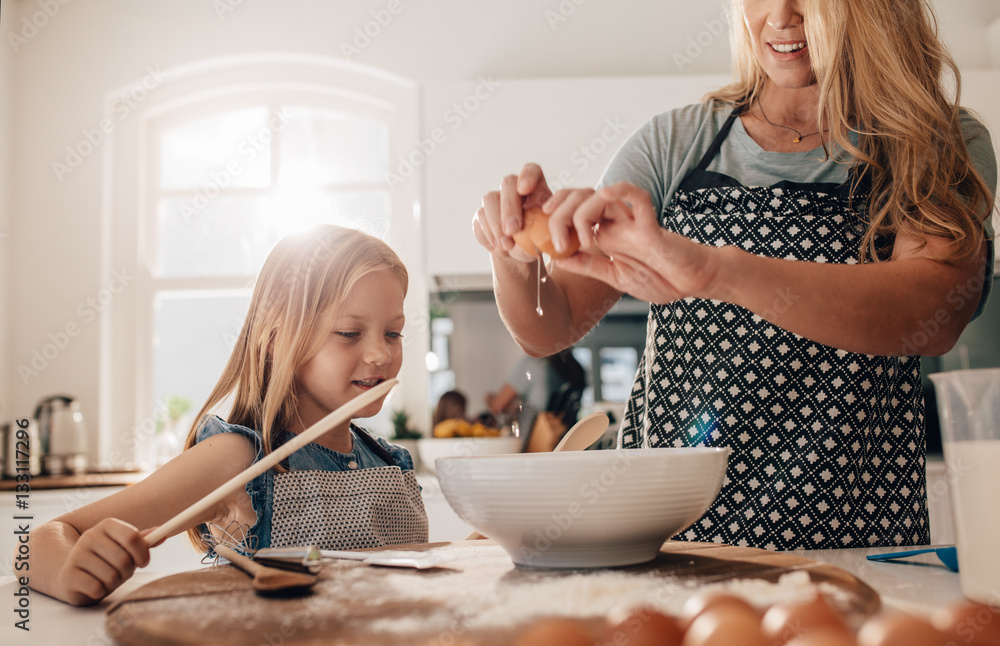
304 282
881 71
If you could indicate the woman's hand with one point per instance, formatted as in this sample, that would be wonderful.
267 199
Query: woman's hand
637 256
502 212
104 557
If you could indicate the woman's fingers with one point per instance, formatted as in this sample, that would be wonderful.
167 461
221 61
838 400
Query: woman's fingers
637 198
486 221
531 182
511 213
563 207
593 266
502 212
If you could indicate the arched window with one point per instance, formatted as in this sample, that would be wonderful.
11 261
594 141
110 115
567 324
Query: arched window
228 157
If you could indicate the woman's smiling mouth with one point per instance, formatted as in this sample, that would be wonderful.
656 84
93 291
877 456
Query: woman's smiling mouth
368 383
788 48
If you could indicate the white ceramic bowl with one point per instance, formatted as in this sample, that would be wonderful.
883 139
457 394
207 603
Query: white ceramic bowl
432 448
583 508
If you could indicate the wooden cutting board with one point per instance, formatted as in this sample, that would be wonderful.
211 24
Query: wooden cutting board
480 598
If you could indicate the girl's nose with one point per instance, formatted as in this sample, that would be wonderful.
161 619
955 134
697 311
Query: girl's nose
378 353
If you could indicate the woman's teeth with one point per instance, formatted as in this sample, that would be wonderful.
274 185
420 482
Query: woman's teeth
368 382
788 48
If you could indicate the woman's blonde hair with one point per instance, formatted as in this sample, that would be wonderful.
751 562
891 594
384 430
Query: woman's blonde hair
304 282
881 71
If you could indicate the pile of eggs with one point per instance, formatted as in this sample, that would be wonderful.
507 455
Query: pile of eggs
726 620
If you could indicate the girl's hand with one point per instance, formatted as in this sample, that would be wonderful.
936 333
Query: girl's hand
639 257
502 212
104 557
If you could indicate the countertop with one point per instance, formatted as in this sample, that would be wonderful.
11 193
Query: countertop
97 479
917 588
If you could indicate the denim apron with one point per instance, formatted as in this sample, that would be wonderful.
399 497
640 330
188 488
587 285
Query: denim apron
828 447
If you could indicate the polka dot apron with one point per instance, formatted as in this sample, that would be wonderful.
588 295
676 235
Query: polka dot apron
349 509
827 445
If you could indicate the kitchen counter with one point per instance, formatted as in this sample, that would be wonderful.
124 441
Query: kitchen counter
917 588
103 479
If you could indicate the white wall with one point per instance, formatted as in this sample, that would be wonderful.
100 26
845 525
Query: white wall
55 86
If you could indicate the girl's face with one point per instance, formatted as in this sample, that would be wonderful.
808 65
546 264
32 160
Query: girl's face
779 41
364 348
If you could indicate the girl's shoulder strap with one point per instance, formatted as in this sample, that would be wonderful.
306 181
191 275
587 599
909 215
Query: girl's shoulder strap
373 445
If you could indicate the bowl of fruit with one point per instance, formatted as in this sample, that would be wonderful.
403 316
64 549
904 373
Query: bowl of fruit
458 437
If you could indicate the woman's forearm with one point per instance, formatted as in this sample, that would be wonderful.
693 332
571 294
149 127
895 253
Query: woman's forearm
909 306
570 304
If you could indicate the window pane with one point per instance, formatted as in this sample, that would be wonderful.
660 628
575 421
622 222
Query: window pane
368 212
229 236
193 337
324 147
230 149
618 366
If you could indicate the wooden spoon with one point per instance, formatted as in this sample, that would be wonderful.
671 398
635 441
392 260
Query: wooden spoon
584 433
266 579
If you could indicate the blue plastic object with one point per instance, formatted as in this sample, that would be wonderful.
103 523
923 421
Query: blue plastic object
948 556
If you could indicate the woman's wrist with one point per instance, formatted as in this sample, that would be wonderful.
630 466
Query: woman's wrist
727 266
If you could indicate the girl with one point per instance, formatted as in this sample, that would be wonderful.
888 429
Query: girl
324 325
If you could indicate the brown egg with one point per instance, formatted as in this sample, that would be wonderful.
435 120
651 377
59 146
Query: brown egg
644 627
698 604
552 631
725 624
784 622
825 636
535 236
899 629
967 622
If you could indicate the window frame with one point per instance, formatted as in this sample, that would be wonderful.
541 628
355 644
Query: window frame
130 217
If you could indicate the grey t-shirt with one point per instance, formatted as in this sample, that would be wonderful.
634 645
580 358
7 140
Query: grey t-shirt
660 154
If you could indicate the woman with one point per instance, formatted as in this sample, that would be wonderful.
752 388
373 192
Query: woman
801 236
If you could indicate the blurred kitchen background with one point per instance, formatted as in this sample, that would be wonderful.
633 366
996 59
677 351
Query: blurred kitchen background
152 152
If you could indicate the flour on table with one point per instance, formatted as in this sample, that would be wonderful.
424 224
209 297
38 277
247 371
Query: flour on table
583 595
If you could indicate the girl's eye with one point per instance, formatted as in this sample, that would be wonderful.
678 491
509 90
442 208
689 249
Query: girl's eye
348 335
394 335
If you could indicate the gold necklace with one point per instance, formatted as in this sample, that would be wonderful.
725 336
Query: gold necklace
800 136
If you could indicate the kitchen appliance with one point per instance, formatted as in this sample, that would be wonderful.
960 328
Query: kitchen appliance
63 435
